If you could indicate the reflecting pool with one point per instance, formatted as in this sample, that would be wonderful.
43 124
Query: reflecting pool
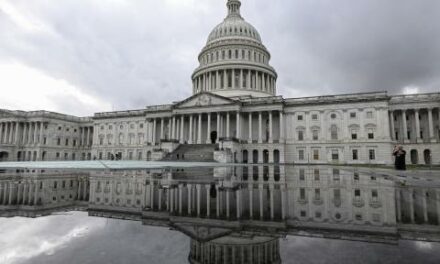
234 214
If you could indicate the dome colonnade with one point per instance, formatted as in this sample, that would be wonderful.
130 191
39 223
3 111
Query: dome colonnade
234 61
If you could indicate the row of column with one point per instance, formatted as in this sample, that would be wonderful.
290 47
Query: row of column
200 203
235 79
18 193
86 136
173 128
21 132
416 111
212 252
407 198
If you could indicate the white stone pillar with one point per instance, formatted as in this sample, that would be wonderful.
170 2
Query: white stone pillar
208 130
154 131
199 133
283 202
34 141
248 79
260 188
250 128
424 207
1 133
228 127
417 121
411 204
227 204
189 186
208 200
241 80
190 136
238 128
260 127
251 201
198 199
282 131
233 78
182 127
217 80
160 199
173 129
393 133
218 127
270 128
41 133
238 206
431 126
405 129
162 128
225 79
180 199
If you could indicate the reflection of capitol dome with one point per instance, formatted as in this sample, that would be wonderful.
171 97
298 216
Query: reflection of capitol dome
236 249
234 61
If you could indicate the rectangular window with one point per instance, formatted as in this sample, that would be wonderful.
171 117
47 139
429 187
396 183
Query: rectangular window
74 142
353 115
300 117
100 155
372 154
316 174
314 117
336 174
357 193
58 141
302 175
316 154
335 155
318 214
374 194
66 156
302 194
67 142
370 135
57 155
301 154
300 135
354 135
44 140
317 194
315 134
303 213
369 114
356 176
355 154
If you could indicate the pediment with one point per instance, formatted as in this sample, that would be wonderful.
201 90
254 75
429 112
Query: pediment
202 233
204 99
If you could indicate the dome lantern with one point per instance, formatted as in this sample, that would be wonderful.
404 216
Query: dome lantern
233 8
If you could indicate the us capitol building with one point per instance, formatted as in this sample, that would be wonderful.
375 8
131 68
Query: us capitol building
235 115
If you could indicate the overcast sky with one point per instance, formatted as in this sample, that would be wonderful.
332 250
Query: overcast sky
84 56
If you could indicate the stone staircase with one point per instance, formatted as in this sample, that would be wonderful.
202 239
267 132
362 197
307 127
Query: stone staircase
192 152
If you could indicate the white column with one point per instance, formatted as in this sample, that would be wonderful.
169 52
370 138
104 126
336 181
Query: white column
248 80
238 206
233 78
208 200
208 131
189 186
431 126
260 188
260 127
227 204
271 190
190 136
198 199
393 133
405 129
241 79
162 128
416 117
199 133
251 201
154 131
270 128
41 133
173 129
218 127
250 128
182 127
238 128
283 202
424 206
228 125
411 204
1 132
35 133
282 136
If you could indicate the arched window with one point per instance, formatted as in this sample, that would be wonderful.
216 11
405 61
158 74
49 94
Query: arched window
334 132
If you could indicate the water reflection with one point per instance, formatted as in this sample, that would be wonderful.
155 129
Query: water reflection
237 215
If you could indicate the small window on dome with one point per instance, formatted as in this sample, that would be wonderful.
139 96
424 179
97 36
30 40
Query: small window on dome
235 30
230 54
245 30
230 30
241 30
236 54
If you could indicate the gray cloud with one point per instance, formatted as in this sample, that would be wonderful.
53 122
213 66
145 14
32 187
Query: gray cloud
136 53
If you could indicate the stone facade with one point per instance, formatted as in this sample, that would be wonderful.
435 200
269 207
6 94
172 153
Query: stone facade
235 106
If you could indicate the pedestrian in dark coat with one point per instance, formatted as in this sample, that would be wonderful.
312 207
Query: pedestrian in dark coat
399 155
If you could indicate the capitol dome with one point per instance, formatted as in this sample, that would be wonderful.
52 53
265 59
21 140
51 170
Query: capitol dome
234 61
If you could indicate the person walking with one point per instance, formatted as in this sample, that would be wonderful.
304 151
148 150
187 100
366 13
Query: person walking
399 153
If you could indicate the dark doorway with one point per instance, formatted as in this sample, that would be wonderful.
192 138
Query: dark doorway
4 156
213 137
427 156
414 157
